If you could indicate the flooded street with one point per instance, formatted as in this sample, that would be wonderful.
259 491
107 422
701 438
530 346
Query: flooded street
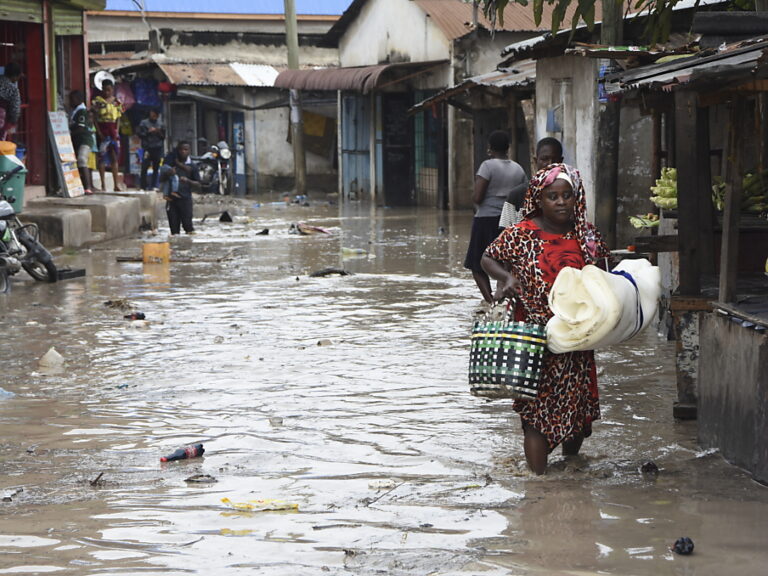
344 395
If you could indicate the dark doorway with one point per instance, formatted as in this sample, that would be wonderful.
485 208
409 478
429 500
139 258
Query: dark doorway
397 149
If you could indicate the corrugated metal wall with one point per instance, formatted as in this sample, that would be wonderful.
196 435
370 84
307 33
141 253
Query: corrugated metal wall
356 132
21 11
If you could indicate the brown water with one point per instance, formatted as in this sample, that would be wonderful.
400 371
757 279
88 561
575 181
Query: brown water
230 357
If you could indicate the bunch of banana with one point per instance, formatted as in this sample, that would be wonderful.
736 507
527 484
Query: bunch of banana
754 198
665 190
649 220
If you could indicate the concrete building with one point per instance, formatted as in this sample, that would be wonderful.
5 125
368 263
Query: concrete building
219 70
395 54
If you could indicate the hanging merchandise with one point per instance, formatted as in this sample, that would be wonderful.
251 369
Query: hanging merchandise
124 93
145 91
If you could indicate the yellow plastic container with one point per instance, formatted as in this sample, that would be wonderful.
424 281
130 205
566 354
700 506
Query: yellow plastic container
7 148
156 252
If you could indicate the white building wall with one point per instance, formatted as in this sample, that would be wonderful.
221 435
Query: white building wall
571 82
392 31
269 155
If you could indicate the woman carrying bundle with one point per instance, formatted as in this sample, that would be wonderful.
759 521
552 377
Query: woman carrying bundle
526 259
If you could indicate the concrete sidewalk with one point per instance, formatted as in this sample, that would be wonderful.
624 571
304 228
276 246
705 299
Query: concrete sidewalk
75 222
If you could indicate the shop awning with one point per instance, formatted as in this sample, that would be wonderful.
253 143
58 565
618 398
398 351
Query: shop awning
215 101
218 73
360 79
522 75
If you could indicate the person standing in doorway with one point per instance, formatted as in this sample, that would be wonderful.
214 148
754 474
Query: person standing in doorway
152 134
10 100
82 136
178 176
495 178
108 111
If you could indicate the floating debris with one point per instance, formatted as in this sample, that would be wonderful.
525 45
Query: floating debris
329 272
267 504
51 359
201 479
683 546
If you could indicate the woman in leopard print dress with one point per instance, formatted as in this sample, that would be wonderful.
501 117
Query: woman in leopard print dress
553 234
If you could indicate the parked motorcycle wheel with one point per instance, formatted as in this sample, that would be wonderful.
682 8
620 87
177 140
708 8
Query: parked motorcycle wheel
5 282
41 271
226 183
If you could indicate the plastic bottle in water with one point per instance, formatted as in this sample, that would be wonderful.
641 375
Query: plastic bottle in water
192 451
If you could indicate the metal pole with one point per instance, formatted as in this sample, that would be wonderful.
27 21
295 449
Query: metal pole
297 122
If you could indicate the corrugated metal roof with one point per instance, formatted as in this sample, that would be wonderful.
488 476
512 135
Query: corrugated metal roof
116 61
737 59
454 17
218 73
255 74
523 75
360 78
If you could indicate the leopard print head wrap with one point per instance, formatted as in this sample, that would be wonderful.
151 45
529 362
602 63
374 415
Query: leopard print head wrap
585 233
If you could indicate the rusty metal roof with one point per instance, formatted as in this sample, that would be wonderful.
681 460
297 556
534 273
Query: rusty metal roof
360 78
116 61
454 18
523 75
217 73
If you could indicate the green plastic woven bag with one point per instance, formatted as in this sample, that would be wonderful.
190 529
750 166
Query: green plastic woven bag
505 358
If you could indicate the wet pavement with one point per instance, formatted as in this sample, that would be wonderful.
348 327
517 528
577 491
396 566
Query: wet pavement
344 395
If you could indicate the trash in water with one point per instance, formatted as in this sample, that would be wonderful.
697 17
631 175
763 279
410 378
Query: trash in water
51 359
6 393
384 484
276 421
8 495
325 342
139 324
353 252
328 272
683 545
191 451
262 232
135 316
201 479
306 229
119 303
261 505
649 469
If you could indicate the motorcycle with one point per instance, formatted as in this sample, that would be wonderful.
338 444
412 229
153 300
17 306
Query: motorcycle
19 244
214 168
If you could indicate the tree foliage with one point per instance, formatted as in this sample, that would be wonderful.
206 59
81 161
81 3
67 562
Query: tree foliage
658 13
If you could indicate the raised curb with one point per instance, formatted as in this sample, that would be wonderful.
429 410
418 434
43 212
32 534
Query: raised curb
148 204
70 227
115 216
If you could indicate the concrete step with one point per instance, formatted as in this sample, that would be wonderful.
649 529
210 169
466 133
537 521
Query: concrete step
116 216
67 227
149 204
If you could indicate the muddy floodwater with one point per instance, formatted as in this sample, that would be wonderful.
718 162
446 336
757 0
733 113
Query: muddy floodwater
343 398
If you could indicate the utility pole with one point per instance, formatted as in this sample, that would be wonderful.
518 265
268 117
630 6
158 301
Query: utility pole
608 123
297 121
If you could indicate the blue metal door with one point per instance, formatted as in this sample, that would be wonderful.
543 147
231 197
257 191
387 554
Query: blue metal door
355 146
238 147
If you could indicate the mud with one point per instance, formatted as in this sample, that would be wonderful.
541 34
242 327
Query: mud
344 394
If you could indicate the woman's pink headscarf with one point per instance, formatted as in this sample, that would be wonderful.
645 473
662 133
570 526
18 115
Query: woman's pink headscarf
585 232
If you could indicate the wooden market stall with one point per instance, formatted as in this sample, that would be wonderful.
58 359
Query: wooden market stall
711 124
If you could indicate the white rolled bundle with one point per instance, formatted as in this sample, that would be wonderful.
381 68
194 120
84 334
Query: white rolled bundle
594 309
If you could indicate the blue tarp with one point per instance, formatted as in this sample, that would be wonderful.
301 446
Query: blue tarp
233 6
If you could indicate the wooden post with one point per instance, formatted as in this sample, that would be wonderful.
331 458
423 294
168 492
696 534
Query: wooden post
688 194
706 211
729 248
656 144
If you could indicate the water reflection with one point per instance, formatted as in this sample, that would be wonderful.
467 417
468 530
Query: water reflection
308 390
